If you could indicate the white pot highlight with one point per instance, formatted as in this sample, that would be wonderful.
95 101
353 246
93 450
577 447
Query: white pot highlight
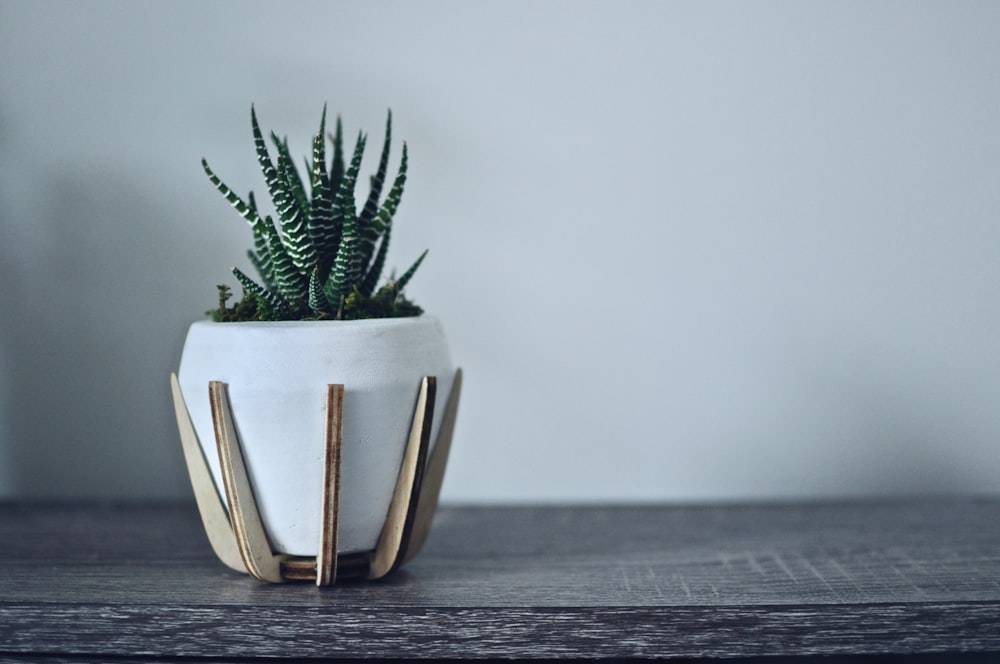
277 376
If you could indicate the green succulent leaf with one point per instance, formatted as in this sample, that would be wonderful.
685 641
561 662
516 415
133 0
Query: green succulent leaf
296 231
290 175
275 300
323 229
383 220
337 165
328 230
345 273
405 279
318 301
294 285
246 211
370 280
388 210
318 170
281 185
371 205
275 185
260 256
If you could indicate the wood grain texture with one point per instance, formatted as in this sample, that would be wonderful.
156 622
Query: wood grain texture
437 462
720 581
213 513
326 559
251 538
394 539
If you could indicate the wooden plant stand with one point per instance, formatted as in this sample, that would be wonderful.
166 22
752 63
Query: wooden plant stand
234 527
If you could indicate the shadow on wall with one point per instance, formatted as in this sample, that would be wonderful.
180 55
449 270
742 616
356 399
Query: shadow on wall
89 334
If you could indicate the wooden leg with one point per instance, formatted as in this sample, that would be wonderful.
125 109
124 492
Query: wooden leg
399 522
210 506
251 539
430 490
326 560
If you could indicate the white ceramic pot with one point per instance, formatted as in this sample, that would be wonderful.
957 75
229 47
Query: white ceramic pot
277 376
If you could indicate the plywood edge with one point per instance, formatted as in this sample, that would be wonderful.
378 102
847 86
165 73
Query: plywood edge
393 541
251 539
210 505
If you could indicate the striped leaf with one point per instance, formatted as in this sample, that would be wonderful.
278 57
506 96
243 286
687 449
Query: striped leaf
294 285
261 258
260 255
290 175
280 184
405 279
371 205
247 212
258 264
296 232
334 297
374 272
328 232
275 186
318 301
321 230
346 268
380 224
318 169
337 165
391 203
274 300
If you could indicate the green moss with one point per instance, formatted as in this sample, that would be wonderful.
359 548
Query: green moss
250 308
387 302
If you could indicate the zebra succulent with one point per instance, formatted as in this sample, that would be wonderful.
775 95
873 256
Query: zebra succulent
323 259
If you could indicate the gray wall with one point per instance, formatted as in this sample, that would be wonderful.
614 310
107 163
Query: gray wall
686 250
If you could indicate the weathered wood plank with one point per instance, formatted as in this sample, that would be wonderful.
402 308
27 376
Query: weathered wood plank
513 632
684 581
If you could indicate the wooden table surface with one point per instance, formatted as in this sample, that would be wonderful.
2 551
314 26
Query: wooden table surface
139 581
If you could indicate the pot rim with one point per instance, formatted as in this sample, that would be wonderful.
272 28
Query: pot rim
286 324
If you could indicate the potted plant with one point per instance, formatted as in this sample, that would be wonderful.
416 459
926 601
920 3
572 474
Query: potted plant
317 316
